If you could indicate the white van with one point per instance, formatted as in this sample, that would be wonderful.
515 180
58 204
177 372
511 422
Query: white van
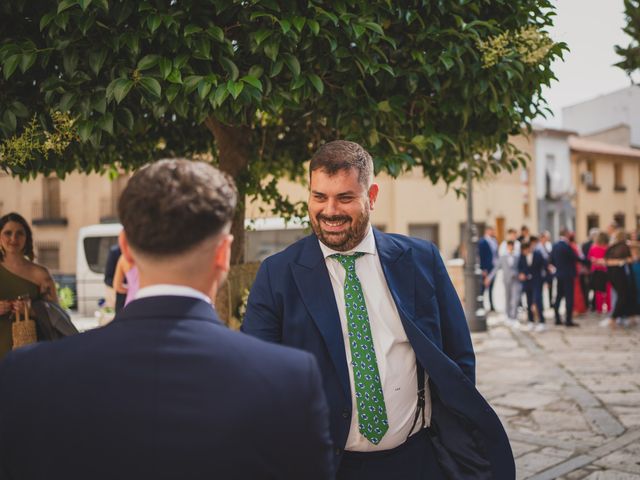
94 242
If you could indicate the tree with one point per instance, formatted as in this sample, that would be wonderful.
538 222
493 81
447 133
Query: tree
90 84
631 53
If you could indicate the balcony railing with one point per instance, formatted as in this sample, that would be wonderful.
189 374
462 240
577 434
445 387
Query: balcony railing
50 213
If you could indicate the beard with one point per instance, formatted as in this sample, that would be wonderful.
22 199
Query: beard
346 239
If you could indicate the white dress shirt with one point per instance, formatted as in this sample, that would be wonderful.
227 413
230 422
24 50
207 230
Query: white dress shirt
395 356
163 289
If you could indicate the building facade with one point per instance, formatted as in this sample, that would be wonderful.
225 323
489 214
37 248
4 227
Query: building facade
410 205
607 179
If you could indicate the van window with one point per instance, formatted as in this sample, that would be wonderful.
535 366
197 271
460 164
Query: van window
96 250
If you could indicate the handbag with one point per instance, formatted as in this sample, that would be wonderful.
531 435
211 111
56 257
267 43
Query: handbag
23 329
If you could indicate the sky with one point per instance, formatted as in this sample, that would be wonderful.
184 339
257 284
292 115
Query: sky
591 28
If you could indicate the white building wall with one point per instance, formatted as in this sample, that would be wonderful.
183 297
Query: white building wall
556 147
606 111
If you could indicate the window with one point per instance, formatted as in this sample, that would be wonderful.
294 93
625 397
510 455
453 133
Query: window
593 221
589 175
51 204
618 180
51 211
109 205
426 231
96 250
618 218
49 255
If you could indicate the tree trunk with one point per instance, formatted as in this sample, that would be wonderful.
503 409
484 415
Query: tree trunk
233 157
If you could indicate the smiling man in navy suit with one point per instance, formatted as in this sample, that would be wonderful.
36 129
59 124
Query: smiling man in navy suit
166 391
381 316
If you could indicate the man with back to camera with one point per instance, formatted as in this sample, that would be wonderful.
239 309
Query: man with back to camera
564 258
381 316
166 391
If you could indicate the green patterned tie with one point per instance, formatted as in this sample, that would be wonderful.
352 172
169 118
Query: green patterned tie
372 413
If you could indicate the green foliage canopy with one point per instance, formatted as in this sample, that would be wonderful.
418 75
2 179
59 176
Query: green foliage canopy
420 83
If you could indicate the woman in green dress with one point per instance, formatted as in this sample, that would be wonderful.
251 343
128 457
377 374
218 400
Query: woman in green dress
21 279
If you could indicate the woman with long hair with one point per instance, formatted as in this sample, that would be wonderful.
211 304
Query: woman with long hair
617 257
601 285
21 279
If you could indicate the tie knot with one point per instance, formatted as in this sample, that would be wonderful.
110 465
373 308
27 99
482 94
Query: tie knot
347 261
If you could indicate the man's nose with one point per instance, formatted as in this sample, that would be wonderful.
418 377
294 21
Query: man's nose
331 208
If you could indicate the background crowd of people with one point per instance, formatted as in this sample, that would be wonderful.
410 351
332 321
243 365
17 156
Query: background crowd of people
600 275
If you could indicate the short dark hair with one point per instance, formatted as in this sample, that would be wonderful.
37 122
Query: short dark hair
525 245
172 205
343 155
533 238
28 244
511 243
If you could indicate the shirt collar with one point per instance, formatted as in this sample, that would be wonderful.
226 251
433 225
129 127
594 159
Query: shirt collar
367 245
164 289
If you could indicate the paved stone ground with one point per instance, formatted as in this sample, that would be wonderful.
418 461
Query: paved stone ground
569 398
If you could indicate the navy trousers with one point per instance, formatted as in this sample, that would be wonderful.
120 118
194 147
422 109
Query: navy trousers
565 289
413 460
533 291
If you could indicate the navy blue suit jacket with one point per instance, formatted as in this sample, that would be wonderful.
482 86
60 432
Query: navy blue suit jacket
485 254
163 392
533 272
564 258
292 302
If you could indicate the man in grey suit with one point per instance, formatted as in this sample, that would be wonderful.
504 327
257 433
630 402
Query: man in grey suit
508 263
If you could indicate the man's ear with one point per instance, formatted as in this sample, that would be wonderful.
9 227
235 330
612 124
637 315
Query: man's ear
124 247
222 258
373 194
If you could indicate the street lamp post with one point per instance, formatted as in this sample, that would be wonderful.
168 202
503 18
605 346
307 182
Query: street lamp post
473 301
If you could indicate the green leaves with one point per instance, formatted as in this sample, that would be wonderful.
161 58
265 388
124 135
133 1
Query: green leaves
253 81
235 88
406 81
316 82
293 64
147 62
119 88
165 66
151 87
96 60
65 4
9 65
230 68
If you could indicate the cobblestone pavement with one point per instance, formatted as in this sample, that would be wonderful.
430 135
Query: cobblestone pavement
569 398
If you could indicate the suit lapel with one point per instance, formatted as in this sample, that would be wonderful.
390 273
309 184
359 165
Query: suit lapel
313 282
398 267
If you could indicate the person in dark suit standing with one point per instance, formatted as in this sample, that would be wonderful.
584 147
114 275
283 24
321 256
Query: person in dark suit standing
565 259
381 316
166 391
488 253
531 268
109 272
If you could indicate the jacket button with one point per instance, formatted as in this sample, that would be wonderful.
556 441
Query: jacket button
337 452
345 414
